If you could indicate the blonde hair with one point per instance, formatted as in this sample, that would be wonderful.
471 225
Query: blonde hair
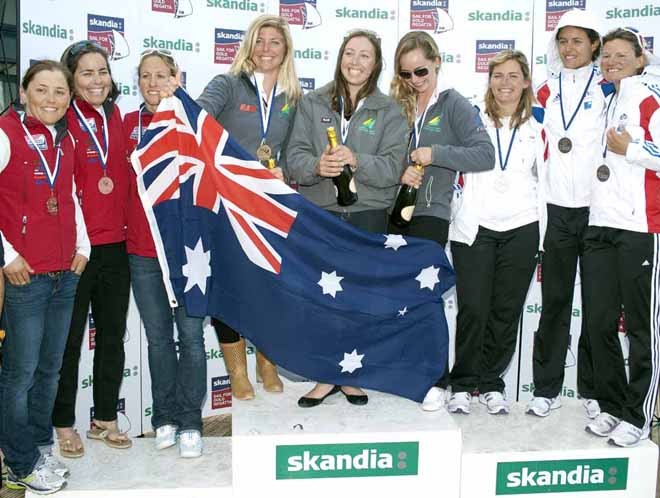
243 63
524 109
168 60
399 89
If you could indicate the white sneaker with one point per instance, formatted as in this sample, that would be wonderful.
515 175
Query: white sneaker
52 463
41 481
190 444
165 436
495 402
541 406
625 434
434 399
603 425
459 403
592 407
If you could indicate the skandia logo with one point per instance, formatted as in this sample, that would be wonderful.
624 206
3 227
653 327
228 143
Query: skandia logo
375 13
307 84
47 30
450 57
649 10
178 8
125 89
242 5
179 45
430 15
566 392
300 13
314 461
220 392
227 42
556 476
499 15
554 9
311 54
109 33
487 49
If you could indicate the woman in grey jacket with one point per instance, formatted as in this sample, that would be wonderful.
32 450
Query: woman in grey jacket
448 137
373 143
255 102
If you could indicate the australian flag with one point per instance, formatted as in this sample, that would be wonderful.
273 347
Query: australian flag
319 297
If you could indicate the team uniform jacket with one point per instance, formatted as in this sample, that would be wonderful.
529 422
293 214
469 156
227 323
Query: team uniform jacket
568 175
138 238
105 214
629 198
47 242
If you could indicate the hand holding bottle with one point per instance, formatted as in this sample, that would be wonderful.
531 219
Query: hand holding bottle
413 177
423 156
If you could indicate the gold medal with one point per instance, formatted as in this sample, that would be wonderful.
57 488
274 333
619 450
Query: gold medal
264 152
106 185
51 205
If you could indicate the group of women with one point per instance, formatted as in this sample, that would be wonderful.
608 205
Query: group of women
573 172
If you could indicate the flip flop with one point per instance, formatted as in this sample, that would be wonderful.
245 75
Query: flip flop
68 446
101 434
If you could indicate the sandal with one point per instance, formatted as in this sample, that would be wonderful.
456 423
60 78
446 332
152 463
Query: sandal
71 446
110 436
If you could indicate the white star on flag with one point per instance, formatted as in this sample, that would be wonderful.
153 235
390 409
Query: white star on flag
351 362
394 241
330 283
197 268
403 311
428 277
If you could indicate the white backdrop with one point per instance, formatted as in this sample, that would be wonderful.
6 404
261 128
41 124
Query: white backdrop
204 35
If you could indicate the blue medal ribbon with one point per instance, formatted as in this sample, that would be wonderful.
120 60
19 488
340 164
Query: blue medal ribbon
503 164
577 108
103 154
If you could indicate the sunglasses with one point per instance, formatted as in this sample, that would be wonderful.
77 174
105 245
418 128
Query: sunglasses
156 51
81 47
420 72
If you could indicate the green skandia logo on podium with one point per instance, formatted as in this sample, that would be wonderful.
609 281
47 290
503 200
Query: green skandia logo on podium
314 461
559 476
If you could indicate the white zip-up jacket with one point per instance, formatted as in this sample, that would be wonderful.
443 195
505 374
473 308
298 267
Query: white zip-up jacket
569 175
499 199
626 195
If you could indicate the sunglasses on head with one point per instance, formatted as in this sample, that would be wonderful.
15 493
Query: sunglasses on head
420 72
82 47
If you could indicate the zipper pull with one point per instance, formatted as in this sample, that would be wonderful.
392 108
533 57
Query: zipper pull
24 229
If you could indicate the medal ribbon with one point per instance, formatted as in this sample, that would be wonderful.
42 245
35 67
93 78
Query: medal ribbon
577 108
51 176
345 123
503 164
265 117
607 120
140 123
103 155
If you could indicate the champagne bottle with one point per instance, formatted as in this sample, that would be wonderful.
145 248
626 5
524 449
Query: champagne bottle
344 183
405 203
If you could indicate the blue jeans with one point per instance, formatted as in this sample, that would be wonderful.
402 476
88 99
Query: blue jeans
36 318
178 385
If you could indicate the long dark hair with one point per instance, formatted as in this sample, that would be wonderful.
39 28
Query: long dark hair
72 54
340 87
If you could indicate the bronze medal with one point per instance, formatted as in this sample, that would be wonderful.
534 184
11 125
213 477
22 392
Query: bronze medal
565 145
51 205
106 185
603 173
264 152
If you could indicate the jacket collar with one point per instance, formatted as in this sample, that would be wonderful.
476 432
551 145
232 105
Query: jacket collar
31 122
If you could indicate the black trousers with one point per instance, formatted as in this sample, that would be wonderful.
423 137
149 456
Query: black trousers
431 228
492 280
105 283
563 245
621 268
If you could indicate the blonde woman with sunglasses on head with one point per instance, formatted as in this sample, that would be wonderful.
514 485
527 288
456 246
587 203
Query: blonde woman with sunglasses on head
178 381
255 102
448 136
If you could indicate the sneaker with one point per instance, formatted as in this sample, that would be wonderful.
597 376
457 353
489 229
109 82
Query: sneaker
434 399
592 407
190 444
52 463
625 435
42 481
603 425
495 402
165 436
541 406
459 403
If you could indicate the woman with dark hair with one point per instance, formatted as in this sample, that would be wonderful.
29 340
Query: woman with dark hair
448 137
372 146
495 238
572 102
46 249
623 237
102 183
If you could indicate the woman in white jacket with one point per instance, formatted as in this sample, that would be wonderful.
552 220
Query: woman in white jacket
495 237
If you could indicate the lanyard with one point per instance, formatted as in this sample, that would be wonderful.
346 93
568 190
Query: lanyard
265 116
504 163
417 127
577 109
607 120
140 124
103 155
52 176
345 123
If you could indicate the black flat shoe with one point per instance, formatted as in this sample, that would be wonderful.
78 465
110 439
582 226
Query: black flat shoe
356 399
306 402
